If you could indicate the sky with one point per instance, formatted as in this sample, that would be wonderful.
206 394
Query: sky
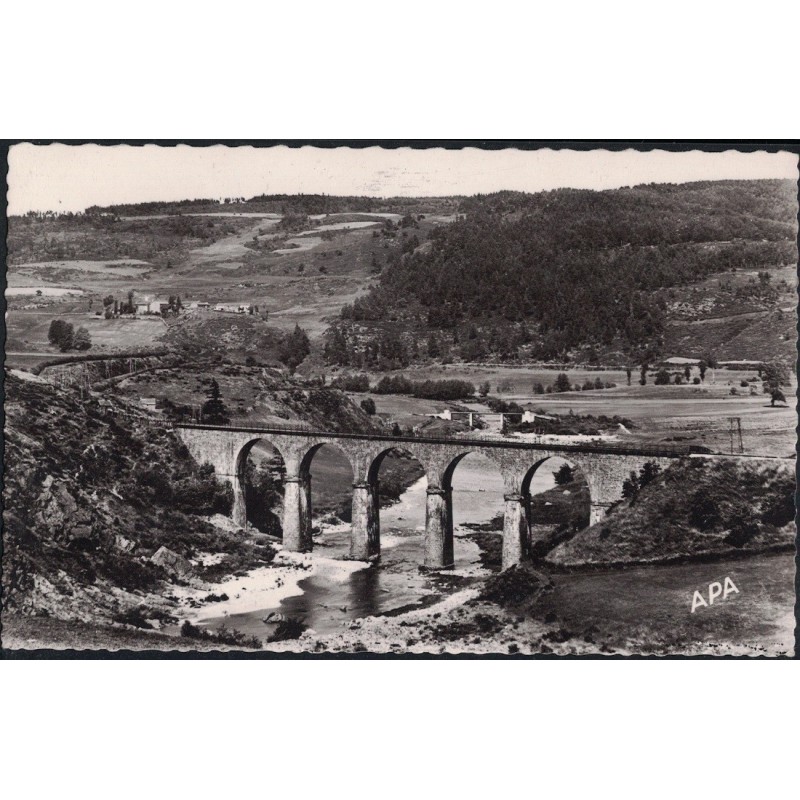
71 178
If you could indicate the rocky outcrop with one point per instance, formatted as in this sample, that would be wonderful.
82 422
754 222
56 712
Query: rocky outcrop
91 493
174 564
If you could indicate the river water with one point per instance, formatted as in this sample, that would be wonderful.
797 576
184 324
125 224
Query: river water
332 597
651 605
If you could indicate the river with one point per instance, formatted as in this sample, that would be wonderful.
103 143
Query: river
650 606
337 593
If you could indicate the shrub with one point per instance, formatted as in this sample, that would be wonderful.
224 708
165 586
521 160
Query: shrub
225 635
630 486
451 389
61 334
504 406
443 390
779 509
135 617
634 483
287 629
704 511
648 473
662 377
743 527
82 340
351 383
128 573
514 586
201 494
368 405
564 475
294 347
696 381
397 384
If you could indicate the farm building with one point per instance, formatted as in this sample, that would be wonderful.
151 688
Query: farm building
151 305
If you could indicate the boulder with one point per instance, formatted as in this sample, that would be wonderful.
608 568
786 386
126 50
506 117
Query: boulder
121 543
171 562
80 532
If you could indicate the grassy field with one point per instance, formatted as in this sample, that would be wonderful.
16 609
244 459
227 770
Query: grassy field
689 414
27 332
300 286
519 380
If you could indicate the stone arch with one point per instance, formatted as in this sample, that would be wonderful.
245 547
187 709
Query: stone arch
532 516
525 488
449 470
244 451
304 467
239 511
495 497
297 508
365 542
399 449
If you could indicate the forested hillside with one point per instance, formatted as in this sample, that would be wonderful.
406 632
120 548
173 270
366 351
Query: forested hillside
563 273
284 204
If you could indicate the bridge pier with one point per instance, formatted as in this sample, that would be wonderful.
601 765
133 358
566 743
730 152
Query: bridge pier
239 507
515 530
439 528
297 514
597 511
365 539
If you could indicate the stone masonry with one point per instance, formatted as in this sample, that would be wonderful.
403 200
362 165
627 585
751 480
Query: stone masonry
226 448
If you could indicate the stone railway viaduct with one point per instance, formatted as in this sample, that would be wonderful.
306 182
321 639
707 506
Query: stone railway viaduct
605 467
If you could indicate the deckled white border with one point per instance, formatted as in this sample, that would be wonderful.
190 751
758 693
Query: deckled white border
60 177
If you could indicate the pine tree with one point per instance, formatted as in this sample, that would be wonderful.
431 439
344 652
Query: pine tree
214 411
561 383
294 348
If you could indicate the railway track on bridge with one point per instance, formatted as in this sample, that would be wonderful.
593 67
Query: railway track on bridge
610 448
